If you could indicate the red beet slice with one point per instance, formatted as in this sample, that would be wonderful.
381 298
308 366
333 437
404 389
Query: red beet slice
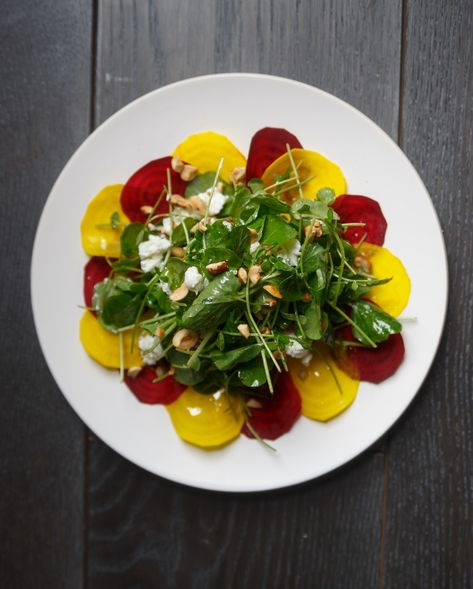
353 208
278 413
96 270
370 364
145 186
266 146
145 390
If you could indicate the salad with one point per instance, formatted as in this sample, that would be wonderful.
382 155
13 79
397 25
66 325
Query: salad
241 293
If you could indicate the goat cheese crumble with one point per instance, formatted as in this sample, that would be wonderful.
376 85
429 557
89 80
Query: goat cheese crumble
194 280
150 348
290 252
217 202
296 350
151 252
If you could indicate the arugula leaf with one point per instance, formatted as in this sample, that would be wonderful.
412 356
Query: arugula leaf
175 270
313 321
253 373
119 311
374 322
230 358
209 308
326 195
218 254
131 237
277 232
312 257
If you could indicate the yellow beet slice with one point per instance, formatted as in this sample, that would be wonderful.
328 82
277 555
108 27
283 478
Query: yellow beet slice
393 296
97 240
104 347
309 164
207 421
205 150
322 399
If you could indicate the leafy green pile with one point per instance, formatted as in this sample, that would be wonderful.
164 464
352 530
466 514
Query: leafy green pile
288 277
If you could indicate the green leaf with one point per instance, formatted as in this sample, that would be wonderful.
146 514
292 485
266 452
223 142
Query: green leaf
376 324
312 257
313 321
179 235
115 220
209 308
277 232
253 373
230 358
212 382
255 185
202 182
220 254
119 311
131 237
175 270
271 203
326 195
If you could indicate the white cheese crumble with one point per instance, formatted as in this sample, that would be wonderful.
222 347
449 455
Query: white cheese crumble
165 287
290 252
167 225
296 350
217 202
194 280
151 252
254 246
227 225
150 348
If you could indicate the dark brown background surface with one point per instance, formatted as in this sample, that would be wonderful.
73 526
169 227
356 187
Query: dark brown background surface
74 514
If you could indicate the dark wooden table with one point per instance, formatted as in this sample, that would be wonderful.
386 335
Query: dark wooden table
75 514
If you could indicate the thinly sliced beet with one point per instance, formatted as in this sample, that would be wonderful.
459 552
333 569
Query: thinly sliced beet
145 186
277 414
145 390
96 270
266 146
353 208
370 364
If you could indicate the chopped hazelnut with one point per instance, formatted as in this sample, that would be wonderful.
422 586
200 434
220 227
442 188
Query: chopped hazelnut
244 330
273 291
185 339
254 274
242 275
177 164
188 173
217 267
363 263
146 209
177 252
237 175
180 293
253 404
313 230
133 371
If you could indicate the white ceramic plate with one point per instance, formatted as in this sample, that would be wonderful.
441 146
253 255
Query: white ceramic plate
235 105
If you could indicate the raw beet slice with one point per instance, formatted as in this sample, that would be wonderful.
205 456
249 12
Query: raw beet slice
278 413
353 208
145 186
266 146
96 270
370 364
145 390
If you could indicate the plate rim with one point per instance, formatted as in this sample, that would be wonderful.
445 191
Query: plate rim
224 487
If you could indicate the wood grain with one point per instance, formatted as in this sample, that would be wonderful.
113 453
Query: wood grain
429 539
44 113
146 532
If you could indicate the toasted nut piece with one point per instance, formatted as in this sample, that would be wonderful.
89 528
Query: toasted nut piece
177 164
306 297
180 293
266 330
363 263
237 175
253 234
171 371
313 230
185 339
146 209
159 332
188 173
180 201
273 291
197 204
242 275
177 252
200 226
159 370
254 274
269 302
217 267
253 404
244 330
133 371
